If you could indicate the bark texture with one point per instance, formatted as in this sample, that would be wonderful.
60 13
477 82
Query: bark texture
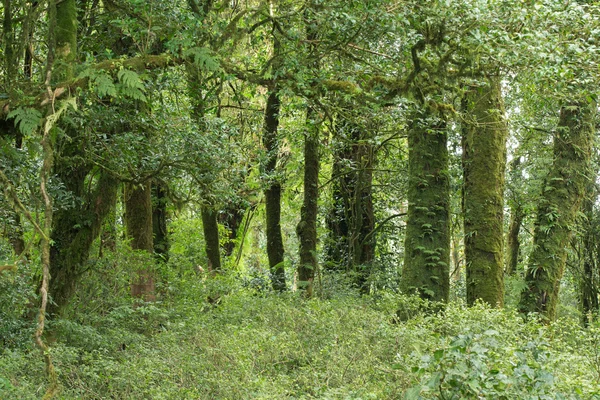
75 229
427 240
589 279
159 222
513 243
351 221
275 250
138 224
210 227
484 161
307 227
560 202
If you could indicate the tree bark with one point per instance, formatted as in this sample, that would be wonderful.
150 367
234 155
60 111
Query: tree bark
427 240
307 227
275 250
138 224
210 227
484 161
562 194
231 217
513 243
351 220
159 222
74 230
589 282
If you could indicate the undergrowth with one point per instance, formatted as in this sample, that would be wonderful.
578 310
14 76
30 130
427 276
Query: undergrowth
220 340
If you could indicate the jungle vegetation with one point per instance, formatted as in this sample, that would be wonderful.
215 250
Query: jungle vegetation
209 199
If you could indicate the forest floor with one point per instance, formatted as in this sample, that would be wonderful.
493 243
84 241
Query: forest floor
219 340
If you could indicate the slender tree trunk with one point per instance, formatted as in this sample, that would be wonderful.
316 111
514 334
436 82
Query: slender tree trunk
108 235
362 245
513 243
232 217
275 250
211 238
159 222
484 162
138 224
307 227
590 284
351 221
563 192
427 241
337 250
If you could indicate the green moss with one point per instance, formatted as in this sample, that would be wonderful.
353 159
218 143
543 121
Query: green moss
561 198
427 242
484 158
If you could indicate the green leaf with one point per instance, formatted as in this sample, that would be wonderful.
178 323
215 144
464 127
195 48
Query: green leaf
203 58
105 86
26 119
412 393
130 79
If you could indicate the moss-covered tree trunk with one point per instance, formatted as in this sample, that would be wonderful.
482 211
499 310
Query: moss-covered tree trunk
275 250
513 244
351 245
307 227
73 229
427 240
362 243
138 224
159 221
210 227
589 279
231 217
559 204
484 161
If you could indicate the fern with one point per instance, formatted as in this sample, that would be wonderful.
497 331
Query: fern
203 58
130 79
105 86
132 93
26 119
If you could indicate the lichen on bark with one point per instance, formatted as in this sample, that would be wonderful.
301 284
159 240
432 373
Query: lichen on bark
427 240
484 159
563 191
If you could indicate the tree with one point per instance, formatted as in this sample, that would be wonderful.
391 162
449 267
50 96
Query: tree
484 158
559 204
427 240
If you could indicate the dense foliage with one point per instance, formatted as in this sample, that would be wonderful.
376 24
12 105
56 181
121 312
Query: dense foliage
317 199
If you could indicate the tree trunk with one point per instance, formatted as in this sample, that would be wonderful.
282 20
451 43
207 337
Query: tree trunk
351 244
108 235
232 217
560 202
275 250
427 240
138 223
484 162
159 222
211 238
336 248
513 243
307 227
589 280
74 230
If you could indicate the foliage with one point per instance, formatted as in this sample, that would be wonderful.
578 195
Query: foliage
273 346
